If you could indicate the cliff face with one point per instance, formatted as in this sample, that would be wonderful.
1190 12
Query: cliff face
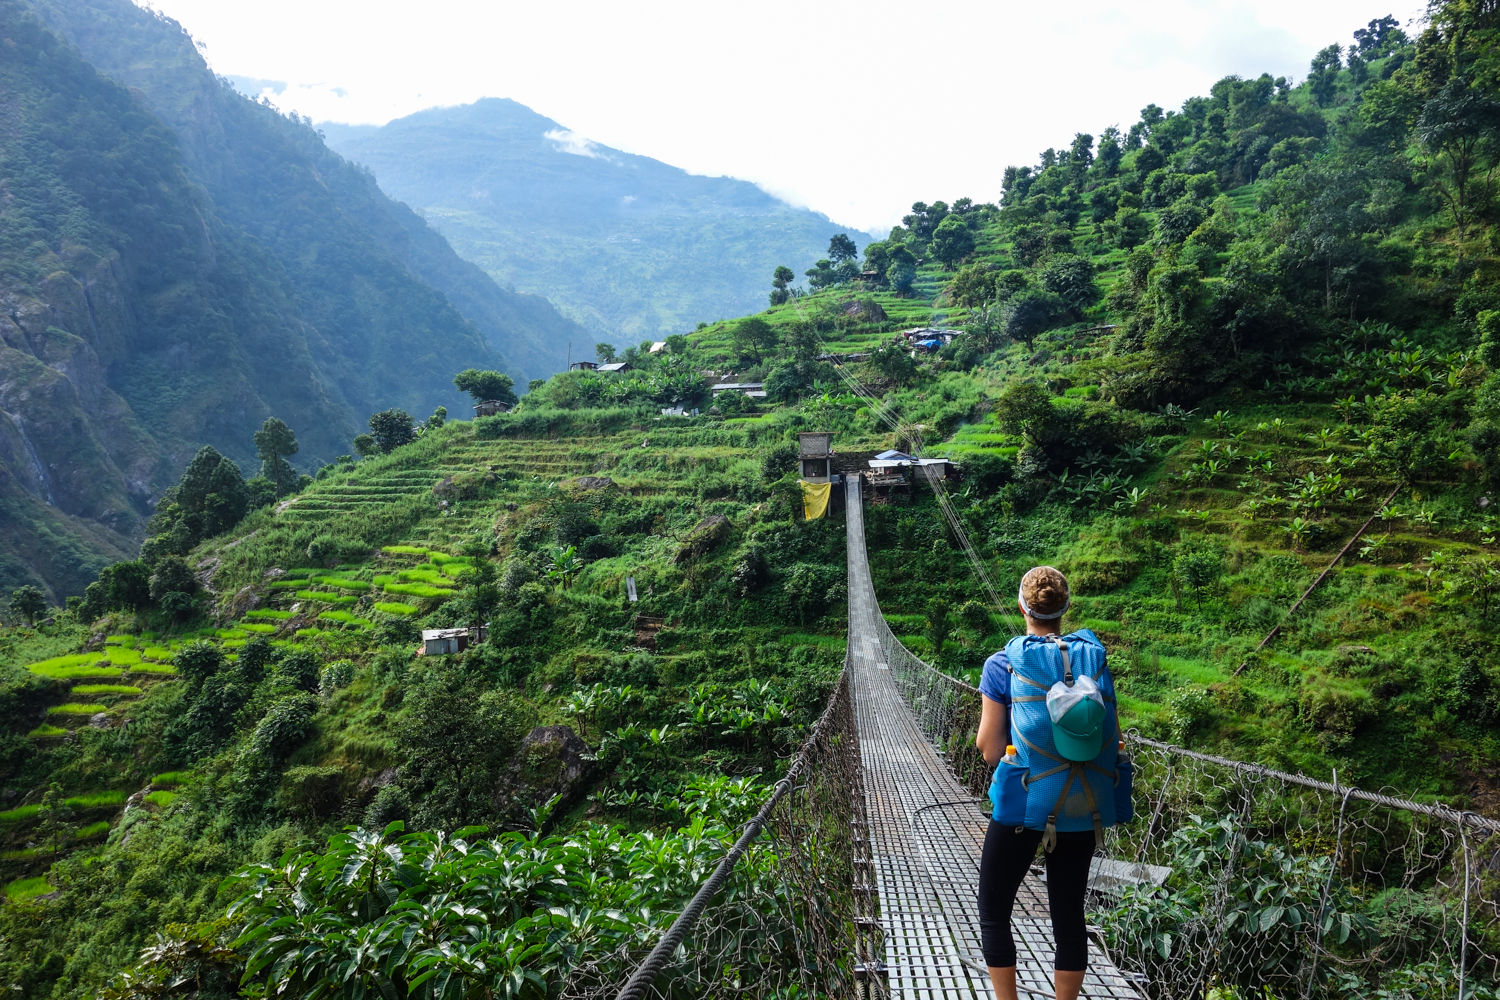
178 263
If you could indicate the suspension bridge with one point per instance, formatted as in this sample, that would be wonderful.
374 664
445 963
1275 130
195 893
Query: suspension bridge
927 832
878 828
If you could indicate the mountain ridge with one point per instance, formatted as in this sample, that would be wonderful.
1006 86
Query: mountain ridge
517 193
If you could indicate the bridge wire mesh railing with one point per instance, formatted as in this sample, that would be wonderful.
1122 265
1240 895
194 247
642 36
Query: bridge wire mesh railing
1282 885
788 911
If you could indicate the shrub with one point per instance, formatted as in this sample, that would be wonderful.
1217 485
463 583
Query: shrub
198 661
335 676
287 723
299 669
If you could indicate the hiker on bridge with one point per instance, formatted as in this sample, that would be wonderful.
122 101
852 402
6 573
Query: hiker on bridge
1050 728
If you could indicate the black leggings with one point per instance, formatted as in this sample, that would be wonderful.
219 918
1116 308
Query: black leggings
1007 857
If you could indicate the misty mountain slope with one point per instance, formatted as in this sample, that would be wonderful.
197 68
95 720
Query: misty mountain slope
629 246
136 326
357 260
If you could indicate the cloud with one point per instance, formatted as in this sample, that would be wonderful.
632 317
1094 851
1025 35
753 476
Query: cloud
568 141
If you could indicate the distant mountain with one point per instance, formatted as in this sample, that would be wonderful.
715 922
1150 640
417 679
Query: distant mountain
177 263
630 247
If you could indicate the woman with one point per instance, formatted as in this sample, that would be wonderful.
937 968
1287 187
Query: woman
1009 850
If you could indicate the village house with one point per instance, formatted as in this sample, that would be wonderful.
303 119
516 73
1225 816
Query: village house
490 407
444 641
583 366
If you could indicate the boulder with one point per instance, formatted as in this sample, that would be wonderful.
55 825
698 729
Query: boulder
551 760
593 482
246 599
706 534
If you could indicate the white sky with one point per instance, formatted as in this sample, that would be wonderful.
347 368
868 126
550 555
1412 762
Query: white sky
856 109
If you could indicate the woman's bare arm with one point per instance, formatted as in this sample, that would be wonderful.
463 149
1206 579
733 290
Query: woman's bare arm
994 730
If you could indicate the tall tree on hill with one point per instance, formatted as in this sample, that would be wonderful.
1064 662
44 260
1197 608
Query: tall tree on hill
210 499
27 603
781 280
845 257
1323 78
952 242
484 385
901 270
1459 128
274 443
605 353
391 429
755 337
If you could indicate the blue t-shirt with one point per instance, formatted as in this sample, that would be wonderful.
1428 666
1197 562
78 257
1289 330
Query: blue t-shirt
994 681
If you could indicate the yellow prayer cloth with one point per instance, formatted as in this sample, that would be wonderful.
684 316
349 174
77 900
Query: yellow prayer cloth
815 499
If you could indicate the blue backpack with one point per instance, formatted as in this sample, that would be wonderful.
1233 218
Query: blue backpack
1043 790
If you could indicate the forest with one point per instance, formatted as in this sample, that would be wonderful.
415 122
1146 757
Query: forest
1187 361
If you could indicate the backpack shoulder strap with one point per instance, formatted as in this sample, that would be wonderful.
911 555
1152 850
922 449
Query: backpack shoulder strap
1062 647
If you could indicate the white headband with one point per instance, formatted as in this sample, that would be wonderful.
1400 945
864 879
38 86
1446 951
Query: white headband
1042 618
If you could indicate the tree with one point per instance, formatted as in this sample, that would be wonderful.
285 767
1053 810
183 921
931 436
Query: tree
365 445
1457 127
1379 37
1025 408
481 592
391 429
210 499
1110 152
1324 76
1199 567
1081 155
1071 279
565 566
973 286
754 336
27 602
54 818
439 418
484 385
937 626
274 442
894 363
605 353
900 269
842 248
677 344
952 242
822 274
173 576
781 280
1028 313
127 585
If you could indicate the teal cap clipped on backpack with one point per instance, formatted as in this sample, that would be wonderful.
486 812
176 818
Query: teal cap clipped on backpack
1077 713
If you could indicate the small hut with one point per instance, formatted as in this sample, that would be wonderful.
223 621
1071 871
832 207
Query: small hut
490 407
815 449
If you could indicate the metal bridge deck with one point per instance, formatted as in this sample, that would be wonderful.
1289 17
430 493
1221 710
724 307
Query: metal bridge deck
926 836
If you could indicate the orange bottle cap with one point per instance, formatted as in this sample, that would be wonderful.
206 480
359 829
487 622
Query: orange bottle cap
1010 750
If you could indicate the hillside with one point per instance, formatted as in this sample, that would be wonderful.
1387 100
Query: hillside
1189 392
173 288
626 245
